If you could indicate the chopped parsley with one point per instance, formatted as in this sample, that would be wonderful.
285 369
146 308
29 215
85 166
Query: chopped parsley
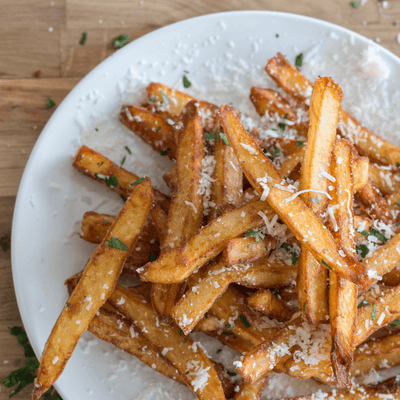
395 323
275 292
276 35
210 136
184 341
304 306
123 161
96 129
186 82
180 332
282 126
140 180
228 326
244 321
116 244
398 203
153 99
68 304
354 4
50 102
121 41
5 243
84 37
313 200
158 129
123 197
227 333
373 312
105 221
111 181
224 138
165 99
152 257
363 250
164 152
218 212
376 233
96 175
299 143
299 60
326 265
363 303
289 248
232 373
206 315
128 149
219 351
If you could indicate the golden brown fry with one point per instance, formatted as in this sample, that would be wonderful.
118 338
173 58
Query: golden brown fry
177 264
171 179
182 353
247 249
263 358
360 168
324 108
101 169
386 180
268 304
292 161
286 146
174 101
342 293
95 286
264 177
393 201
392 278
159 219
234 342
251 391
267 100
186 210
152 128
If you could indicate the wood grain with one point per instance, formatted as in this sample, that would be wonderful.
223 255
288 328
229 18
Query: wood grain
44 35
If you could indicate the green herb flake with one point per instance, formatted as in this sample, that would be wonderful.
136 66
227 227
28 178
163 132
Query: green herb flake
277 153
186 82
206 315
363 303
282 126
398 203
244 321
223 138
158 129
232 373
275 292
304 306
164 152
83 39
219 351
210 136
354 4
313 200
5 243
378 234
123 161
326 265
288 248
250 233
299 143
152 257
276 35
96 175
123 198
363 250
395 323
128 149
105 221
184 341
68 304
140 180
218 212
227 333
50 102
116 244
164 97
111 181
228 326
96 129
299 60
153 99
373 312
121 41
180 332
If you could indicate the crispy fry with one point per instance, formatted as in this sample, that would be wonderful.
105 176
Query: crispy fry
182 353
159 219
152 128
264 177
324 107
360 168
392 278
384 179
292 162
98 167
251 391
285 145
267 100
186 210
393 201
247 249
98 281
342 293
174 102
171 179
268 304
178 264
232 341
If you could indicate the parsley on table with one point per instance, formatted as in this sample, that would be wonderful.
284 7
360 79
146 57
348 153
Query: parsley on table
128 149
186 82
299 60
96 129
275 292
219 351
5 243
50 102
84 37
140 180
121 41
210 136
116 244
363 250
164 97
123 161
224 138
398 203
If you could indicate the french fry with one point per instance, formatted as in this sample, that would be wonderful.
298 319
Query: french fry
267 100
177 264
393 201
292 162
95 286
186 210
188 359
264 177
247 249
342 293
360 168
295 84
171 179
265 356
392 278
384 179
251 391
152 128
389 389
103 170
287 146
268 304
170 102
159 219
94 227
324 107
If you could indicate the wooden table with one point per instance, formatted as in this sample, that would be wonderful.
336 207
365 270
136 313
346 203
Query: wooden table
44 35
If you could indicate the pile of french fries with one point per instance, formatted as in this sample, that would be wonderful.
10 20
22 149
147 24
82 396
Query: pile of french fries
285 250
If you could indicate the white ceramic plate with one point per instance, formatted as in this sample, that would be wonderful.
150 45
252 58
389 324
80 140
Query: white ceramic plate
224 55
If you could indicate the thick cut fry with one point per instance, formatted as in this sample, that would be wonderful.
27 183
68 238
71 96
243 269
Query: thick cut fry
360 167
384 179
227 187
263 358
324 108
152 128
251 391
342 293
178 264
171 179
188 359
268 100
103 170
268 304
389 389
247 249
94 227
170 102
292 162
264 177
186 210
95 286
295 84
